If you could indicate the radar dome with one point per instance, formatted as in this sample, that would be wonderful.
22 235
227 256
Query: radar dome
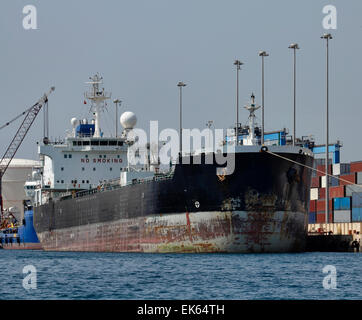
73 121
35 174
128 120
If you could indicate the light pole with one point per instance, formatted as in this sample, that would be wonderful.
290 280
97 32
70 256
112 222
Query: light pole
116 103
262 54
294 46
180 85
238 65
327 37
209 123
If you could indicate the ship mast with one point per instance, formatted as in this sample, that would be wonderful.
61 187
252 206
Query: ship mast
251 139
97 97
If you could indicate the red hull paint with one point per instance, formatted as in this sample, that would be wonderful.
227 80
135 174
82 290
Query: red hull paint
206 232
22 246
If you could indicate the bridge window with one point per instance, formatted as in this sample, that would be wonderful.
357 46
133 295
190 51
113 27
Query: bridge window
95 143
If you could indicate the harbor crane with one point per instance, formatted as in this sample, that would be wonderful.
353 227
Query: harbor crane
30 115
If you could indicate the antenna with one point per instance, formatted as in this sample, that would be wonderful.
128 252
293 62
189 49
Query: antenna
97 97
116 101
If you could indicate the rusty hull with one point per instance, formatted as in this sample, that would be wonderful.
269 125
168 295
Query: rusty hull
227 231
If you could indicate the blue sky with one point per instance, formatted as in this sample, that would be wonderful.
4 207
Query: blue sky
144 47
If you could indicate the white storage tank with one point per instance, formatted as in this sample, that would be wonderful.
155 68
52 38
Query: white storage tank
13 182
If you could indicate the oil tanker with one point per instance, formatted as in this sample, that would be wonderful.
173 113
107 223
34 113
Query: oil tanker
91 199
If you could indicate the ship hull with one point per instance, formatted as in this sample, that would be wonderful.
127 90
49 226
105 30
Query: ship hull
227 231
21 238
261 207
22 246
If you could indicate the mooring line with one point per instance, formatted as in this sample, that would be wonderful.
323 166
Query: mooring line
311 168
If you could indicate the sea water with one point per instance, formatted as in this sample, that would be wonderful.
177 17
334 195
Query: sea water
26 274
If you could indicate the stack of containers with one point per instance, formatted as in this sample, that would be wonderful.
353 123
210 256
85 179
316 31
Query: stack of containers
357 207
345 192
321 211
313 205
356 169
356 192
342 209
321 202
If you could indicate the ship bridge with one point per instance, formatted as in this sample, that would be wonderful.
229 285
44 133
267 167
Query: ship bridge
86 157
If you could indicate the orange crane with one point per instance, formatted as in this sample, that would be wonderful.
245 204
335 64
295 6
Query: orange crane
30 115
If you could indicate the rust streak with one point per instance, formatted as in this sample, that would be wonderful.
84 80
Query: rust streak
188 225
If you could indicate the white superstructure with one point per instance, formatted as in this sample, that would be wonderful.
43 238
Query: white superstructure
86 157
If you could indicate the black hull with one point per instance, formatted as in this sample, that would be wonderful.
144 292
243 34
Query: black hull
262 191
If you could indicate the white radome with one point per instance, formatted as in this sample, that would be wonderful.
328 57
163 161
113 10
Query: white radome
34 174
128 120
73 121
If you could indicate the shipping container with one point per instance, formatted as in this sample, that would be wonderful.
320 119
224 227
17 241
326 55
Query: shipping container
359 178
342 216
357 200
312 218
352 188
336 192
315 182
314 194
336 169
342 203
321 193
356 214
321 162
356 166
312 206
334 181
345 168
322 170
323 181
321 205
347 179
321 217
